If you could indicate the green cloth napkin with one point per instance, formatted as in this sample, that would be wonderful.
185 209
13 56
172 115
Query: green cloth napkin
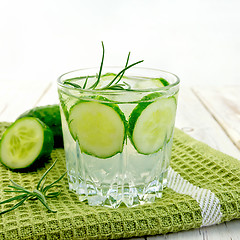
203 189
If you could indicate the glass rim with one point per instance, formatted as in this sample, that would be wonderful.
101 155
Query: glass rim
175 83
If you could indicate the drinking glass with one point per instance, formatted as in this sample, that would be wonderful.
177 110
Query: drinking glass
118 141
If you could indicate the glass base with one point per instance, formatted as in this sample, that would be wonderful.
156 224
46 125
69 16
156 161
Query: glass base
113 196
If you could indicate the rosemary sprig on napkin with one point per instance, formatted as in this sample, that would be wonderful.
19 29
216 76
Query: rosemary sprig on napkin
41 192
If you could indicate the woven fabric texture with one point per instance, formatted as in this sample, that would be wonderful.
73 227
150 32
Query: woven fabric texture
200 166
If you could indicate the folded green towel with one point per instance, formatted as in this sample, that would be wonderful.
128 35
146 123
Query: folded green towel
203 189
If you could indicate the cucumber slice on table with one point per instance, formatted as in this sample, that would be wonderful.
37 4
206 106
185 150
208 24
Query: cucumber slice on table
28 139
50 115
151 123
98 127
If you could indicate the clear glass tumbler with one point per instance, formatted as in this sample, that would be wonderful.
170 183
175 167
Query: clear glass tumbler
118 140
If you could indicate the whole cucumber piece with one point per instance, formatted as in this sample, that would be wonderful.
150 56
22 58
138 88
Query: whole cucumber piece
50 115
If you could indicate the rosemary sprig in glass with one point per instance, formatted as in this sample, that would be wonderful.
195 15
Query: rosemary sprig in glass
112 85
100 70
40 193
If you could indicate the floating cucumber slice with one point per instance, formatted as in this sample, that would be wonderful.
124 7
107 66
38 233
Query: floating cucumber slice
151 123
25 141
50 115
98 127
146 83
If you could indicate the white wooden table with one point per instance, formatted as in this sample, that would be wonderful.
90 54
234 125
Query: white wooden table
211 115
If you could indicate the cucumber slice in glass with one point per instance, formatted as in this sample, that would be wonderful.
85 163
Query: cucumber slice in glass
98 127
25 141
151 123
146 83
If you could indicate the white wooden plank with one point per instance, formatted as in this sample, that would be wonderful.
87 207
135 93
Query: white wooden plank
17 97
232 227
224 105
221 232
3 107
139 238
195 120
193 234
50 96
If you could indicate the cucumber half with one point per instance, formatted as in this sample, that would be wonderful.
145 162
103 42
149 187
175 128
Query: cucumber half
50 115
151 123
98 127
25 141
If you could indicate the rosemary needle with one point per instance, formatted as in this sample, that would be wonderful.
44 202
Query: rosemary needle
122 71
85 83
113 84
125 68
40 193
100 70
72 84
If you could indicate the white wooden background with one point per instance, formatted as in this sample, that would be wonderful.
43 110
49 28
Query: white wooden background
196 39
209 114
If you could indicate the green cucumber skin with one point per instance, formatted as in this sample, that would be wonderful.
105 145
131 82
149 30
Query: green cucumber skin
50 115
164 82
133 119
48 143
145 101
46 148
63 106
